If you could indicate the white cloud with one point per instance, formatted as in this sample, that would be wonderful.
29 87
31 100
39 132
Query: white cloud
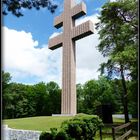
17 47
92 18
88 57
25 62
113 0
55 34
99 9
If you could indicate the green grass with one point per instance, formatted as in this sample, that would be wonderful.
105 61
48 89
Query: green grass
46 122
118 120
43 123
110 138
36 123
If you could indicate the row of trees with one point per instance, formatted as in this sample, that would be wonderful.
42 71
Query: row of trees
21 100
41 99
105 91
118 30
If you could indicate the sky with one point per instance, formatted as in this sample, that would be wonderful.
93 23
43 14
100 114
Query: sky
25 53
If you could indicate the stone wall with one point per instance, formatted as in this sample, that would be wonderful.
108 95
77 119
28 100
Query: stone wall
16 134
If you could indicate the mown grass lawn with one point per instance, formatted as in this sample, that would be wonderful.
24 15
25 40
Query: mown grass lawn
37 123
44 123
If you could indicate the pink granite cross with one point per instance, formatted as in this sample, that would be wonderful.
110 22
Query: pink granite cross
67 39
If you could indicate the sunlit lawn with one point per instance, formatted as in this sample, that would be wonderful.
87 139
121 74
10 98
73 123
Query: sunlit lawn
46 122
36 123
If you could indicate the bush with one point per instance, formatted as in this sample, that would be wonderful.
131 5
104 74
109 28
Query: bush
61 136
46 136
81 127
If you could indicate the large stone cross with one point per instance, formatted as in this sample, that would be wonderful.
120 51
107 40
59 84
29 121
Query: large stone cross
67 39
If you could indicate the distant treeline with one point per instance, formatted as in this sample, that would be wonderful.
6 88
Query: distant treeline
44 99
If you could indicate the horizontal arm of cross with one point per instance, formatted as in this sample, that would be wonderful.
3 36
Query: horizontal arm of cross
58 21
82 30
78 11
55 42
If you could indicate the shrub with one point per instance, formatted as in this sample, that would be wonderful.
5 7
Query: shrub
61 136
81 127
46 136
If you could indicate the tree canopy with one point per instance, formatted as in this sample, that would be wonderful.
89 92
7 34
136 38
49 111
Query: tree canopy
20 100
16 6
118 30
44 99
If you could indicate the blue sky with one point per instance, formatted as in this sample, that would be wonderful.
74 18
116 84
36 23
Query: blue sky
25 46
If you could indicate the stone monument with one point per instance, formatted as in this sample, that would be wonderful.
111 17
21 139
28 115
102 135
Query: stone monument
67 39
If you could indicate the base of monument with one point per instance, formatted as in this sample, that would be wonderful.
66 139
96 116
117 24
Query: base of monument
63 114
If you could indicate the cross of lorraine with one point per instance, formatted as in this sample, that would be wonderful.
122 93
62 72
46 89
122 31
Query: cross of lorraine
71 33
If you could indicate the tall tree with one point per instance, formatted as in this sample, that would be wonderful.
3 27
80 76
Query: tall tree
6 77
98 92
53 104
41 97
80 98
16 6
118 30
6 98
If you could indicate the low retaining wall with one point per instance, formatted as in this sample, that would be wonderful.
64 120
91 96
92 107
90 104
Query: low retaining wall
18 134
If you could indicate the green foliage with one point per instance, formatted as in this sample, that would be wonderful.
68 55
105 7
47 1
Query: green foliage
80 127
6 77
21 100
41 96
80 98
6 98
97 92
54 98
46 136
133 98
15 6
62 136
118 30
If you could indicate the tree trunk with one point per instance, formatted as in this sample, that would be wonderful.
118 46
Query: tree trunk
125 103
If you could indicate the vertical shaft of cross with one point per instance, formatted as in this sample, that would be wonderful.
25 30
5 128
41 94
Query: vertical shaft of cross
68 104
67 39
68 4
